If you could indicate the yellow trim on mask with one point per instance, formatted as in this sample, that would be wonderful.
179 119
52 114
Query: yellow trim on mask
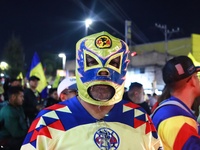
93 56
113 57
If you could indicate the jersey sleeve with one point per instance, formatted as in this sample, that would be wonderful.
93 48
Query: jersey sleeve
180 132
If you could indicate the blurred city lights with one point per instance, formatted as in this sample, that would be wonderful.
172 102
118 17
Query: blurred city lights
3 65
88 22
2 74
63 56
133 54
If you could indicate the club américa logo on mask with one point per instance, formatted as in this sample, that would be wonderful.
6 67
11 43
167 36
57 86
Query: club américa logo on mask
103 42
106 138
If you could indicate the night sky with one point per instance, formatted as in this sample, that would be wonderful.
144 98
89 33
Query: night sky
56 25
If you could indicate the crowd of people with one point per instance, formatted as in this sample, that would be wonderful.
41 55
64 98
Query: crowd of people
19 106
94 110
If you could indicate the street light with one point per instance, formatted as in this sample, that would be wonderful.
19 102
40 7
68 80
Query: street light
88 22
3 65
63 56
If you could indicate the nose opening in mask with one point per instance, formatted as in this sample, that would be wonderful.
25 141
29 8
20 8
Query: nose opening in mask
103 72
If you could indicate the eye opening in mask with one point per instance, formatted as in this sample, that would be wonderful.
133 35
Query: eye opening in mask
90 61
115 62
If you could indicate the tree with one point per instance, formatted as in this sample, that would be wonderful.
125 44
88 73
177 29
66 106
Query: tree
50 63
14 56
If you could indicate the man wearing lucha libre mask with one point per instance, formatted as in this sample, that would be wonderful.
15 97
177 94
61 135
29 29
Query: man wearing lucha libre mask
97 118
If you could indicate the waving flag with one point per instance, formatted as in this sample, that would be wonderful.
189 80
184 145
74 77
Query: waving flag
36 69
56 81
20 76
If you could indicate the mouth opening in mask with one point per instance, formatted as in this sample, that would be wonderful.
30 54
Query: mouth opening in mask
101 92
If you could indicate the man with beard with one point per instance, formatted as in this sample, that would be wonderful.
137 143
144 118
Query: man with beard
97 118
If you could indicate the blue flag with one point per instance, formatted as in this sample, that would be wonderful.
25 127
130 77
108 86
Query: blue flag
37 70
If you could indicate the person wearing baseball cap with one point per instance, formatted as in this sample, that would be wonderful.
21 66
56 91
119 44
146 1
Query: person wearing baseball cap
32 99
67 88
33 78
173 118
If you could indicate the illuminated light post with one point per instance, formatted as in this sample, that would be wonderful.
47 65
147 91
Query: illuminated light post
88 22
63 56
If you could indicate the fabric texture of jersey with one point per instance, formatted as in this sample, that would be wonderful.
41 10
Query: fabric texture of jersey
68 125
176 125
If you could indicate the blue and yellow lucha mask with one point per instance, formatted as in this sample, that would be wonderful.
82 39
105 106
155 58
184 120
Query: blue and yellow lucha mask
102 50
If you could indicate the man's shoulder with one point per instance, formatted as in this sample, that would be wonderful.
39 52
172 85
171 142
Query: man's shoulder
58 108
2 104
27 91
55 107
132 106
169 109
7 110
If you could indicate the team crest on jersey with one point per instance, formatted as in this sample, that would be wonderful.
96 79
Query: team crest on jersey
106 138
103 42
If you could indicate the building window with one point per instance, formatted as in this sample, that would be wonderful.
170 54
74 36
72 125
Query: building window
139 70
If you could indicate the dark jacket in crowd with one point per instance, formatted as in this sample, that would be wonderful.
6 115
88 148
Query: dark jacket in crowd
31 100
51 101
13 126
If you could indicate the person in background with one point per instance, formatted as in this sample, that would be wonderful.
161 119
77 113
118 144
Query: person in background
153 99
6 85
165 95
97 118
2 102
125 89
175 122
67 88
195 106
10 83
1 93
13 124
135 94
15 82
32 100
53 97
